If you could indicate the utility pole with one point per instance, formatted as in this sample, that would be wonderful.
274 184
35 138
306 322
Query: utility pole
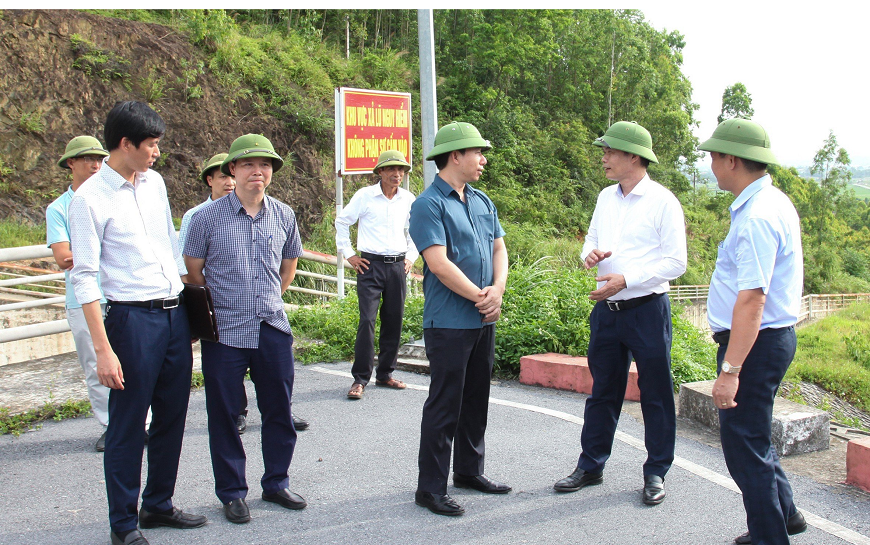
428 102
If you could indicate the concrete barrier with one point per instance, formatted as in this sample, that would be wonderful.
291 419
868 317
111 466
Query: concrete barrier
795 429
565 372
858 463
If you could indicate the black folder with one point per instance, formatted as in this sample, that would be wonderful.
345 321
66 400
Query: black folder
200 312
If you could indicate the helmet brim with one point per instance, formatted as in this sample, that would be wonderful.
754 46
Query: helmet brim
626 146
744 151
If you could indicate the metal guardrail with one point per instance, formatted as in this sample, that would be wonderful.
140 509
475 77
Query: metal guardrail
61 326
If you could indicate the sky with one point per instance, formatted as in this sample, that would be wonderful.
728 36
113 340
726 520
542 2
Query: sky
805 66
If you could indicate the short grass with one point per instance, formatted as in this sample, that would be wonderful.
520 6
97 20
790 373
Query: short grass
15 233
827 355
861 191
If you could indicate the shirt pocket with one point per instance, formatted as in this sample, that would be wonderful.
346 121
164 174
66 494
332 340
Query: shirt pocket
486 226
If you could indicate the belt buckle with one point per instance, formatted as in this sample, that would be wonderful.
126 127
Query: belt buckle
613 305
390 258
170 303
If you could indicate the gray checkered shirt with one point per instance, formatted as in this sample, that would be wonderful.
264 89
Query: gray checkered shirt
242 263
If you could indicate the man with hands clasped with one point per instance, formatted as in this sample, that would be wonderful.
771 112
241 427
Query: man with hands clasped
637 238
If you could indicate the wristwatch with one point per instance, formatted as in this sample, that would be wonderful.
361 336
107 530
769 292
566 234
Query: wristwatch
731 369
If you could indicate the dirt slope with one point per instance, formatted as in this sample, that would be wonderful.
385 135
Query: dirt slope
45 100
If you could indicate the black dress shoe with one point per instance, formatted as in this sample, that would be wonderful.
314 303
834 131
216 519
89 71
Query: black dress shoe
578 480
653 490
794 525
133 538
175 519
101 443
241 423
287 499
298 423
440 504
481 483
237 511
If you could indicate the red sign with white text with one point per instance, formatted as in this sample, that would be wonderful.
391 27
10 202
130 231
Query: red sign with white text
373 122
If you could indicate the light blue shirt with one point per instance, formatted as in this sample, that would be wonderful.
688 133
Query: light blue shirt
57 230
762 250
185 222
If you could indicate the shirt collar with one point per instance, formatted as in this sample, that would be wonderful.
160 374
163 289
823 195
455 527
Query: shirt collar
639 189
116 181
70 191
237 204
446 189
749 191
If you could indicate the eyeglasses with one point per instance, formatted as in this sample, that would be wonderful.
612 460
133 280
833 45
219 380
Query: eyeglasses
90 158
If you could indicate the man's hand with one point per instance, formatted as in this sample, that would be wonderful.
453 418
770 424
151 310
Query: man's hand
490 303
615 284
724 390
492 316
109 370
594 257
359 264
408 265
67 264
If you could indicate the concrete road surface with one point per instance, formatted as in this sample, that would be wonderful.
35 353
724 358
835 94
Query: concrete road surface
357 467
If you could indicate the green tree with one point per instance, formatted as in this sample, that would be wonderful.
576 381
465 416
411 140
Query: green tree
736 102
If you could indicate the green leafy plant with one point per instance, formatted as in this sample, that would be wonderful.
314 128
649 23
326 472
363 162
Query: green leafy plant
32 121
189 74
154 87
94 61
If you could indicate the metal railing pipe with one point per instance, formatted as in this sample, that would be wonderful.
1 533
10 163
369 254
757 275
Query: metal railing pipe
33 330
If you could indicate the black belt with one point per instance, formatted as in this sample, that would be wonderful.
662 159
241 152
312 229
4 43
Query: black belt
164 304
385 258
631 303
722 337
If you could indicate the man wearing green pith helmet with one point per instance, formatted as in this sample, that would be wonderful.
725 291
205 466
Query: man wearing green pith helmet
637 239
465 268
83 157
245 247
752 307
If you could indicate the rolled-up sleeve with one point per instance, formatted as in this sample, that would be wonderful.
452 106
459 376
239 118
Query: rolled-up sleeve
87 236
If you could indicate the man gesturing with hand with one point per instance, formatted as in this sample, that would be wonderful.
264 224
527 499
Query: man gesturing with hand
637 239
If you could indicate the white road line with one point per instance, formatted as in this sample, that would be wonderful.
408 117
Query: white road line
822 524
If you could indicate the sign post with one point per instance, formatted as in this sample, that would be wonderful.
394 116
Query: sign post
367 123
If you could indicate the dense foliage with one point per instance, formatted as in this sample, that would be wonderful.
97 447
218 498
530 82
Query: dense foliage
546 309
541 85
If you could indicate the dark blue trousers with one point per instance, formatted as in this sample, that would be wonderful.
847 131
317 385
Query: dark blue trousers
153 347
745 433
645 333
460 361
381 281
271 366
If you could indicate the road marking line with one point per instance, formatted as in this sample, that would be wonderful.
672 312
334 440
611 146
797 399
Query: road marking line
822 524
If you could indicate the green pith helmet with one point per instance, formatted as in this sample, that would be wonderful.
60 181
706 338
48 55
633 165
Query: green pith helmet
214 162
630 137
741 138
391 158
251 145
457 136
81 145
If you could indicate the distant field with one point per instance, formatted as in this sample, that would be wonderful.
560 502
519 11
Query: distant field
862 191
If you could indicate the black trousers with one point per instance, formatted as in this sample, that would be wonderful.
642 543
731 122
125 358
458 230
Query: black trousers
272 372
382 281
645 333
455 412
745 432
153 346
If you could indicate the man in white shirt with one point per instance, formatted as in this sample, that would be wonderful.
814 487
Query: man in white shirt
121 229
637 238
386 256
